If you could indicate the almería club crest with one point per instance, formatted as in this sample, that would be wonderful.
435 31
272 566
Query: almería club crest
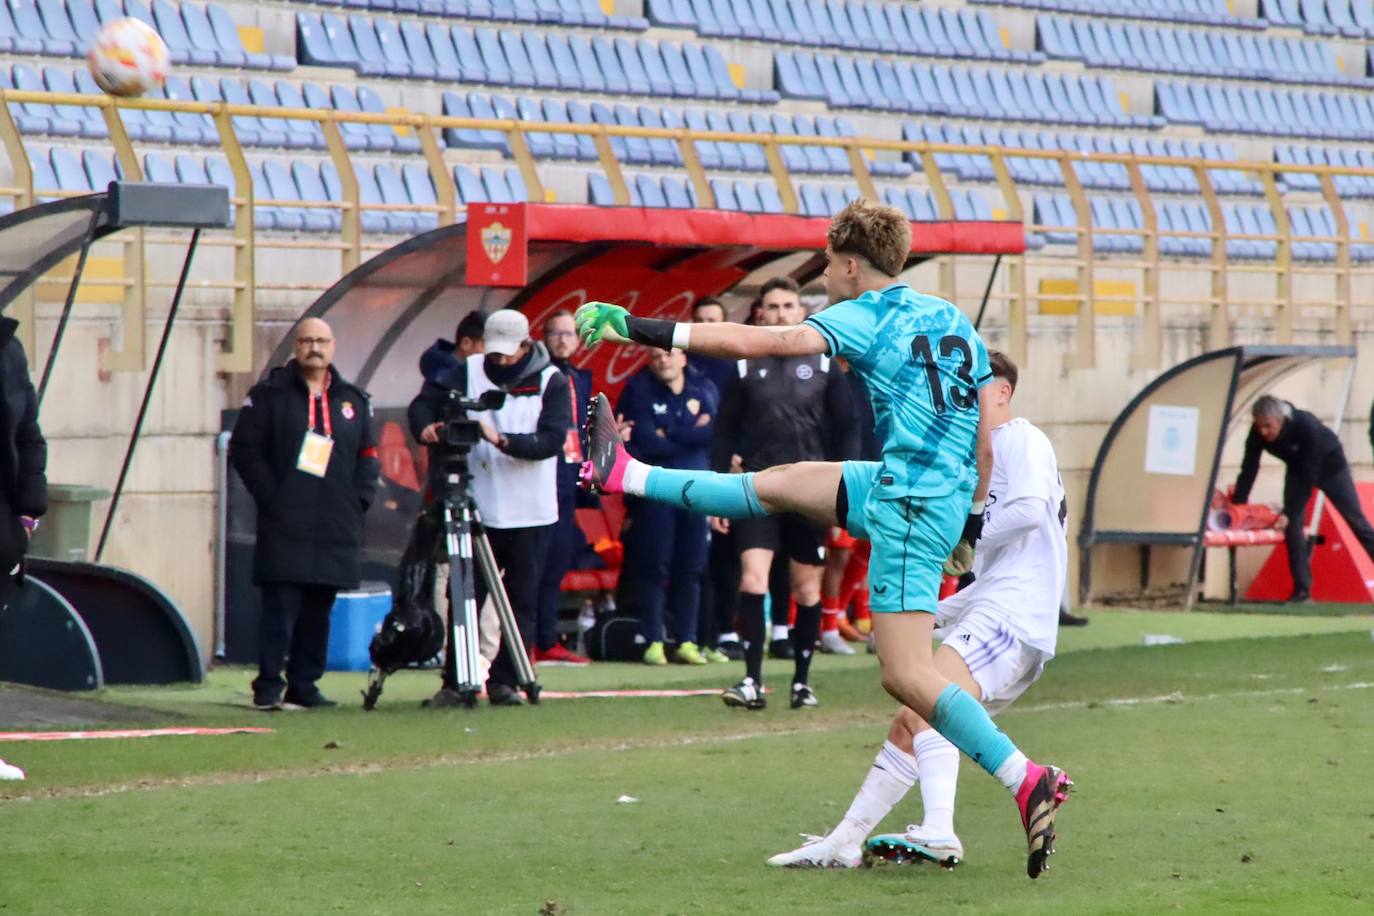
496 241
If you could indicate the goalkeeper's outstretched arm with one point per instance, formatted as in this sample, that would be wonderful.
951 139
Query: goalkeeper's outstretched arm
601 321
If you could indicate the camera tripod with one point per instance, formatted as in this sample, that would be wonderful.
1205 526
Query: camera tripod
465 541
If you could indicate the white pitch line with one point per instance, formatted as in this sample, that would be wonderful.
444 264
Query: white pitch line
1180 697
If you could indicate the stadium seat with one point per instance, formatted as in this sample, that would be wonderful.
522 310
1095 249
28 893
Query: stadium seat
167 21
378 136
62 170
470 190
101 168
13 38
294 134
40 117
541 144
227 35
312 188
571 146
90 123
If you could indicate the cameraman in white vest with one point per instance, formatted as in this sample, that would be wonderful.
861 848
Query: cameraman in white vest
514 470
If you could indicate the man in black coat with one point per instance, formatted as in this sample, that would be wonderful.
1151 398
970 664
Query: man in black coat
305 449
1314 458
23 462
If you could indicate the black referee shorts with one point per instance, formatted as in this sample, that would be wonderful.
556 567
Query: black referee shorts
793 536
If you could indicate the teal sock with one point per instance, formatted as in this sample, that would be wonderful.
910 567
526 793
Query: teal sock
967 725
724 495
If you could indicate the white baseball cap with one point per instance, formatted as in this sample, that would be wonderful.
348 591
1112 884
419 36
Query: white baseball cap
505 331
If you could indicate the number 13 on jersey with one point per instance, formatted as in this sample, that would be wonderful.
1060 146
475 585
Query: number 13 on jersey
961 396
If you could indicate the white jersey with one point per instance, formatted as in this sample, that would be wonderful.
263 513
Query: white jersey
1020 578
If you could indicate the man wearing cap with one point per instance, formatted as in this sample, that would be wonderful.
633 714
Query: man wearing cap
514 475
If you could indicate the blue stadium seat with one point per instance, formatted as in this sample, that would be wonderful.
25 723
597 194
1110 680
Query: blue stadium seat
57 24
38 117
372 60
561 61
376 136
475 63
498 191
312 188
540 143
262 95
281 186
89 121
101 168
215 170
470 190
589 72
369 102
313 45
12 38
83 19
157 168
421 51
394 192
599 190
28 23
396 54
747 197
677 193
570 146
713 155
610 68
724 192
738 122
650 191
289 96
67 168
370 196
264 132
167 21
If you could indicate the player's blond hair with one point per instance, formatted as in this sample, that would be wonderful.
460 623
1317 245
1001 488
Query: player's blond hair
877 233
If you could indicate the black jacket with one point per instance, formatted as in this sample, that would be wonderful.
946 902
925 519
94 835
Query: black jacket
24 453
569 493
310 529
1309 448
783 409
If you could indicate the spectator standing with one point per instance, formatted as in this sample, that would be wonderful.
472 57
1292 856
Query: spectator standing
562 342
782 410
1314 458
305 449
671 412
514 476
23 469
720 586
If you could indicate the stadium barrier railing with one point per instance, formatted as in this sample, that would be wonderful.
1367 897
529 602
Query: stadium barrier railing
1146 302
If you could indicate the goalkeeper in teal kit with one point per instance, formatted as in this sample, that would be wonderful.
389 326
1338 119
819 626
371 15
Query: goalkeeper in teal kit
921 506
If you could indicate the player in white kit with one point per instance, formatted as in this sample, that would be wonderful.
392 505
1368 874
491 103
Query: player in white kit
996 636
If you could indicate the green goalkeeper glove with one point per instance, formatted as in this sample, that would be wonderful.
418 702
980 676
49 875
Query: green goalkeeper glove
597 321
960 562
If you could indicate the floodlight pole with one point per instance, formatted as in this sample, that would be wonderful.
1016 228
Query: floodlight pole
86 241
147 393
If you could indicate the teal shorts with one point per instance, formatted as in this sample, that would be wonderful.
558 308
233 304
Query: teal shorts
912 536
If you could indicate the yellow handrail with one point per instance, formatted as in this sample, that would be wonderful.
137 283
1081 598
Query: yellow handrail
859 151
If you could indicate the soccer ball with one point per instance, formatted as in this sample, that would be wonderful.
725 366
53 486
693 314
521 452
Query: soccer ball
128 58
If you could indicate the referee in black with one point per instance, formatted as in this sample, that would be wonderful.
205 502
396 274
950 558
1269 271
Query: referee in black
782 410
1314 458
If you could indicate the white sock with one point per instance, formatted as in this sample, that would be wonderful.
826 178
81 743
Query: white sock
636 476
893 773
732 636
779 631
1012 772
937 762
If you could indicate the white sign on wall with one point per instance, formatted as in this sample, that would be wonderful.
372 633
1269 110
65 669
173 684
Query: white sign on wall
1171 441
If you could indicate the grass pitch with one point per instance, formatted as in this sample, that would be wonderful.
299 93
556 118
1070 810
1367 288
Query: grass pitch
1229 774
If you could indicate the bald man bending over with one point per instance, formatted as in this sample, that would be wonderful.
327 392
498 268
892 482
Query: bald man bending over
305 448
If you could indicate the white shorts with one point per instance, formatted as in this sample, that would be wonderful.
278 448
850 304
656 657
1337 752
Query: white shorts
1002 666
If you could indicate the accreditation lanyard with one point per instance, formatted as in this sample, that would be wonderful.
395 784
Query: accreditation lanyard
316 449
572 442
324 406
